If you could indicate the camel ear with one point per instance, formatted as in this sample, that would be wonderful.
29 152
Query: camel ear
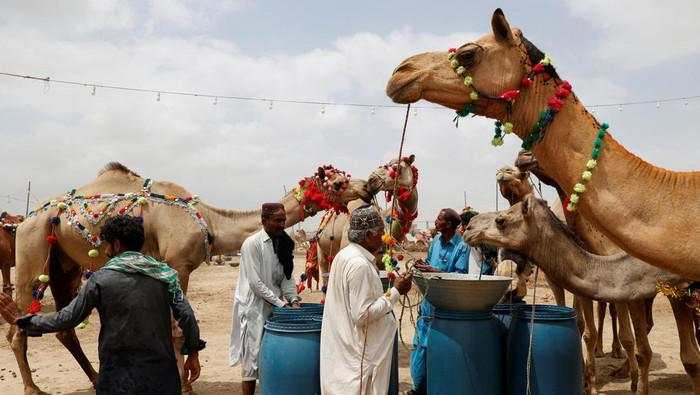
500 27
410 159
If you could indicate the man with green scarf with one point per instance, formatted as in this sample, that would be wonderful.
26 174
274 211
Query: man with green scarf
134 295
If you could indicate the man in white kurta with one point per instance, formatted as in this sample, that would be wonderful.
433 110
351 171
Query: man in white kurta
359 326
262 284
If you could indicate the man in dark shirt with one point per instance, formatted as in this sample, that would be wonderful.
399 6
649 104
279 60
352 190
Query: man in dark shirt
134 295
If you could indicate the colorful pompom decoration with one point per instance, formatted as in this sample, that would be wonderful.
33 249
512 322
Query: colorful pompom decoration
93 253
587 174
142 201
61 206
44 278
473 95
51 239
34 307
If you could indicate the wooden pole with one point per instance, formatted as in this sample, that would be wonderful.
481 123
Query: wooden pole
29 190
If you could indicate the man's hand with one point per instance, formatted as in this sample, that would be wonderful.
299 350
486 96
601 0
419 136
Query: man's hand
192 369
403 283
8 309
424 267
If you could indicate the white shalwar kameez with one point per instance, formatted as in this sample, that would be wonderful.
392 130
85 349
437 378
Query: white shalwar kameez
357 315
261 285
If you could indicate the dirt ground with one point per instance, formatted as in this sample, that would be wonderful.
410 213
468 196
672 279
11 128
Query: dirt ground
211 290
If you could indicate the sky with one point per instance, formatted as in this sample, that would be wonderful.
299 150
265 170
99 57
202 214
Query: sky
238 154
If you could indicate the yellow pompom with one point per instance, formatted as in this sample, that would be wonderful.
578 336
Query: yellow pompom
454 63
388 239
473 95
62 206
468 80
508 127
580 188
44 278
591 164
574 198
571 207
586 175
142 201
93 253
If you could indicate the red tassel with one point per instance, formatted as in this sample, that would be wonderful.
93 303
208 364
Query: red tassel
510 95
554 103
566 85
34 307
122 211
562 93
452 50
51 239
538 68
526 82
392 173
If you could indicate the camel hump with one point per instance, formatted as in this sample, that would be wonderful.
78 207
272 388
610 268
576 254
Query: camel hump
116 166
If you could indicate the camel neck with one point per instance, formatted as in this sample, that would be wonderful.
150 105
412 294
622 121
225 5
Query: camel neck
230 227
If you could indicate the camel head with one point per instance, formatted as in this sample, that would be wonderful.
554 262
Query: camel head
510 228
329 189
495 63
513 183
6 218
402 172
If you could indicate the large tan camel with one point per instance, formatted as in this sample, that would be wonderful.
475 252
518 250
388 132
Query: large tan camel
179 230
8 226
332 234
530 228
648 211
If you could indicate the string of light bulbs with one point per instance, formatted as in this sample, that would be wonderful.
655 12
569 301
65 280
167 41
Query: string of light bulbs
322 103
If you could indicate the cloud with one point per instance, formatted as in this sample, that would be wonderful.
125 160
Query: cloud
637 34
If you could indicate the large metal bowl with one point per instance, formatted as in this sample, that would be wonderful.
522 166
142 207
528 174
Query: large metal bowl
457 291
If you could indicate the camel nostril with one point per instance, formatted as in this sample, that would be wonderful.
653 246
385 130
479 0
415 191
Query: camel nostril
500 221
405 66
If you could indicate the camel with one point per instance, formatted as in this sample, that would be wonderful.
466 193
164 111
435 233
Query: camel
503 76
332 233
202 230
8 226
301 240
532 229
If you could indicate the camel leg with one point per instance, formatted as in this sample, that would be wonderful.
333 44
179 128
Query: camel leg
6 281
690 354
589 339
31 254
559 295
580 323
616 345
631 367
64 286
640 324
602 307
323 269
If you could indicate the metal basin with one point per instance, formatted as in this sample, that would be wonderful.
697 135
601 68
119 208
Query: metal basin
457 291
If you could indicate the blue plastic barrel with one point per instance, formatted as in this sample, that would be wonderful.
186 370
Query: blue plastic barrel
290 357
504 313
556 365
306 309
465 353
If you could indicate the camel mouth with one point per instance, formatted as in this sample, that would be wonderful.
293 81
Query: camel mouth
403 89
472 236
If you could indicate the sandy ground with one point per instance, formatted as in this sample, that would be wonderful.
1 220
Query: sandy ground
211 290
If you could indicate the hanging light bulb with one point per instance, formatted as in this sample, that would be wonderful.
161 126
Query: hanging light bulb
658 104
269 107
158 97
323 109
216 101
94 90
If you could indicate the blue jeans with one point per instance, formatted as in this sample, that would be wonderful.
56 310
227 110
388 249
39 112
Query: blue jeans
420 346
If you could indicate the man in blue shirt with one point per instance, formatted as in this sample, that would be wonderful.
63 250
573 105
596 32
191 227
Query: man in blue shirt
447 253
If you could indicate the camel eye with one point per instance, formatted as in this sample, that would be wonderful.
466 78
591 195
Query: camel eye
467 55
